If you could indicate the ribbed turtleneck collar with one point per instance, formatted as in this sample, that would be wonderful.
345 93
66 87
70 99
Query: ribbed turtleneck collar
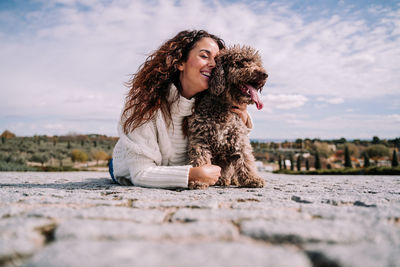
182 106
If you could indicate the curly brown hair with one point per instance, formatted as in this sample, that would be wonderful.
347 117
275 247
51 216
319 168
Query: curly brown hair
149 86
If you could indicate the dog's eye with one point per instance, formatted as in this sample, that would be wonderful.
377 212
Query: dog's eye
240 64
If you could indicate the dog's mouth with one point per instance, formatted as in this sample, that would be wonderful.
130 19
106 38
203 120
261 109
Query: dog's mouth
250 91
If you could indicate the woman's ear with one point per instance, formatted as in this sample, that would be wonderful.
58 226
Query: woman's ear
216 85
181 66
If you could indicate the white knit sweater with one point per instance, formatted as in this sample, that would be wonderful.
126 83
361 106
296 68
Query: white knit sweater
155 155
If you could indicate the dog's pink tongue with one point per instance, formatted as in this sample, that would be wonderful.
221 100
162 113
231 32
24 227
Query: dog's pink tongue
254 96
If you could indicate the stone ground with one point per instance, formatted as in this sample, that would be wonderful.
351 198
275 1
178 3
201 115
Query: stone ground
82 219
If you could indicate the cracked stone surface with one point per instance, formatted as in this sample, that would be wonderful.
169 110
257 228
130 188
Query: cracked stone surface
83 219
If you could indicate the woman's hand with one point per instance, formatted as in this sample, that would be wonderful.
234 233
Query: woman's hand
241 110
207 174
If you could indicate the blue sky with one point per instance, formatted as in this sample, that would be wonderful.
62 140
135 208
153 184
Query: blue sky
333 65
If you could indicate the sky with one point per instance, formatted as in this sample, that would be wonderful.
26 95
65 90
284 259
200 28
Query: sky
334 65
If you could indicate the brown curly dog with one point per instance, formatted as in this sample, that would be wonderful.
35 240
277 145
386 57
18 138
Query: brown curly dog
217 135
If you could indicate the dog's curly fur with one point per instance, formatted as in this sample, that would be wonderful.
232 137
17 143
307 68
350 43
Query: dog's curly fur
217 135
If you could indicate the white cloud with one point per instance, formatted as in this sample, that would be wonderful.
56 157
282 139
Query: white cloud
284 101
331 100
73 61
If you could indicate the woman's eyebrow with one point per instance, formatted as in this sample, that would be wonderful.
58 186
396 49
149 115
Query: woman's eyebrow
205 50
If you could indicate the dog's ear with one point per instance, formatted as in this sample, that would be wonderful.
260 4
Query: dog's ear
216 85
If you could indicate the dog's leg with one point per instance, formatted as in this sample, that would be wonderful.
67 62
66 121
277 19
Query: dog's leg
246 169
227 173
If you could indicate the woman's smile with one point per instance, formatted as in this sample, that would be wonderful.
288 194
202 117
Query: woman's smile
196 70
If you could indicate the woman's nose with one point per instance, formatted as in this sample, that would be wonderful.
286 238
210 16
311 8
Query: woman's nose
212 63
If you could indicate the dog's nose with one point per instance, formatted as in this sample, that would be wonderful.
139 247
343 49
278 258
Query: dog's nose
262 75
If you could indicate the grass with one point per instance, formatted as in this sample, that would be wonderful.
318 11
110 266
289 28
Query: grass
14 167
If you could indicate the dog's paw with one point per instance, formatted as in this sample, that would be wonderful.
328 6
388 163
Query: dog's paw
223 182
198 185
253 182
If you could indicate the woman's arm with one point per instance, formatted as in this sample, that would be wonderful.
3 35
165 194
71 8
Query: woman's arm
137 155
241 110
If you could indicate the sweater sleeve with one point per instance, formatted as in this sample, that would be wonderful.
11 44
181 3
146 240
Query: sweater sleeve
144 172
139 155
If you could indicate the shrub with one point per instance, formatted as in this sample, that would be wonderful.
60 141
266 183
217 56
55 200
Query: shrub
377 151
99 154
78 155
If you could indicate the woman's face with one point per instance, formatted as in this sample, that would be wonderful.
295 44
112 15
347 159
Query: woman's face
196 71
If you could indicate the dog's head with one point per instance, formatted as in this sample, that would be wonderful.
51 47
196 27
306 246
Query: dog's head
238 75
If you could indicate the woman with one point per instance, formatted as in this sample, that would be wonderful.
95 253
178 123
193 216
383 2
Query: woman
152 149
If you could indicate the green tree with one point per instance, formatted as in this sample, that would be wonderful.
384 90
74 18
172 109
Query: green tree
280 162
291 162
39 157
377 151
375 140
78 155
298 163
307 165
366 160
353 150
317 161
347 159
395 161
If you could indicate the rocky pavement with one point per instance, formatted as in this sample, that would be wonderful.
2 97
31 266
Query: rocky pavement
82 219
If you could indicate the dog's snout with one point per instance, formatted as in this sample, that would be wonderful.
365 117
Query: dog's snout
263 75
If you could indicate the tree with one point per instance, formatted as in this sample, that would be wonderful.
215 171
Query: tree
395 161
317 161
299 143
299 163
7 134
347 159
291 162
41 158
78 155
280 162
366 161
375 140
353 150
323 149
377 151
307 165
99 154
